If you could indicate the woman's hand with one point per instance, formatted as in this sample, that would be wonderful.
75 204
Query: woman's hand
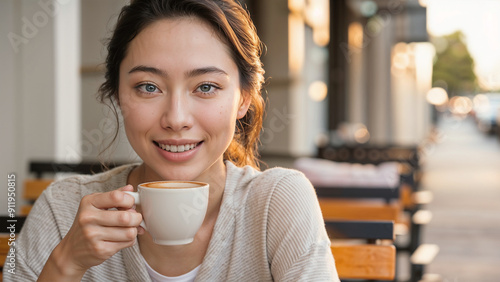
97 234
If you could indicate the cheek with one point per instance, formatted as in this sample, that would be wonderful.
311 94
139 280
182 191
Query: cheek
134 118
220 118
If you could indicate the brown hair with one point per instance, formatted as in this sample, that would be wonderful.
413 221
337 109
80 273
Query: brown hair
235 28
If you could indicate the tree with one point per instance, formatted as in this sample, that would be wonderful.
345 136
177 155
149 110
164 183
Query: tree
455 66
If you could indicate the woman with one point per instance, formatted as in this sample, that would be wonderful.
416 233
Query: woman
186 76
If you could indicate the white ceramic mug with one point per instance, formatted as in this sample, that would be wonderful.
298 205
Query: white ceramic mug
173 211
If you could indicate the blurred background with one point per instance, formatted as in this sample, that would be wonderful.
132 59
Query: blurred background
424 74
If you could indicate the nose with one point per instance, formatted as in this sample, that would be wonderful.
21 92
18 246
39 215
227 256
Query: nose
176 114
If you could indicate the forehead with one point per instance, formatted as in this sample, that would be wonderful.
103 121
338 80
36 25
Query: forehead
185 40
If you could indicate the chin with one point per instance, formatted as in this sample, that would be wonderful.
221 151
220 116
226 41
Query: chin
179 173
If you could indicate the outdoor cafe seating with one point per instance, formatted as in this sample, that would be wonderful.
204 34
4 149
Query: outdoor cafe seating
375 183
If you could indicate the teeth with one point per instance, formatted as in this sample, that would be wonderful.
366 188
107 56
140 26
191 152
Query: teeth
177 148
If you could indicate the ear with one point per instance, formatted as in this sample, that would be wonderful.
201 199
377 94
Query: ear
244 105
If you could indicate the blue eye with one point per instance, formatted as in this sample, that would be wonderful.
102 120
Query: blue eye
207 89
148 88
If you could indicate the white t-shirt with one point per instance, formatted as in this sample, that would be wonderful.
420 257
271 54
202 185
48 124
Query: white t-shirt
157 277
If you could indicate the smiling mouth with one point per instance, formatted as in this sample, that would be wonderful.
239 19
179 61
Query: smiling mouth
177 148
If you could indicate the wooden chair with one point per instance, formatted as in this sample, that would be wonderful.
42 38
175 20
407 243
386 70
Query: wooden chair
411 198
373 260
33 188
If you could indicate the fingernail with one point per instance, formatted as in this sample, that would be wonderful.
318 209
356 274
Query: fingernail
140 230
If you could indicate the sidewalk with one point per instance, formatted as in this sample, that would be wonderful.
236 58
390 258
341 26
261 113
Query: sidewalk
463 172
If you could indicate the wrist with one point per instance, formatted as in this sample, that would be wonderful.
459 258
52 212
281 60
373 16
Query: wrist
59 268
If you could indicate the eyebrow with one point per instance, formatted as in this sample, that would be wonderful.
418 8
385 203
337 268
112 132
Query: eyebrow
190 73
202 71
152 70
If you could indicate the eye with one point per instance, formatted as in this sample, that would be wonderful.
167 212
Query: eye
207 88
148 88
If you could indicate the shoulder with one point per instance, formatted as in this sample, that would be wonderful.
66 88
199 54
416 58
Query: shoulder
269 185
290 188
275 175
279 180
286 178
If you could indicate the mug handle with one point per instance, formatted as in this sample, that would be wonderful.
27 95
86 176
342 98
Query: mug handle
137 201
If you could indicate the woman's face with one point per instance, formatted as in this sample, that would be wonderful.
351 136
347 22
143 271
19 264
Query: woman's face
180 97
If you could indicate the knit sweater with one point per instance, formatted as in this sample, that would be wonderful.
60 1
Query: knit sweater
269 228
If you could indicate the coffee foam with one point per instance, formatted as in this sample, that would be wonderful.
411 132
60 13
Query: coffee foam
173 184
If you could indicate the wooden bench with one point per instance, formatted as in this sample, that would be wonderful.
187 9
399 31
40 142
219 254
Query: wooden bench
359 209
32 189
374 260
359 203
354 203
411 197
362 213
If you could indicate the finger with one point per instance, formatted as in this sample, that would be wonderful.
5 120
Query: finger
140 230
118 218
112 199
117 246
118 234
132 209
105 249
127 187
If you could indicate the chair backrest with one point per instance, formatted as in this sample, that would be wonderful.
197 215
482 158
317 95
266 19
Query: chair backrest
365 261
41 167
373 260
371 154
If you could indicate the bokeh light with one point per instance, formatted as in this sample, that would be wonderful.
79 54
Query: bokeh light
318 91
460 105
361 135
481 102
437 96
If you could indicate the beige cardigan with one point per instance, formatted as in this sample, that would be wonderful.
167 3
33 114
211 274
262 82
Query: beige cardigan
269 228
